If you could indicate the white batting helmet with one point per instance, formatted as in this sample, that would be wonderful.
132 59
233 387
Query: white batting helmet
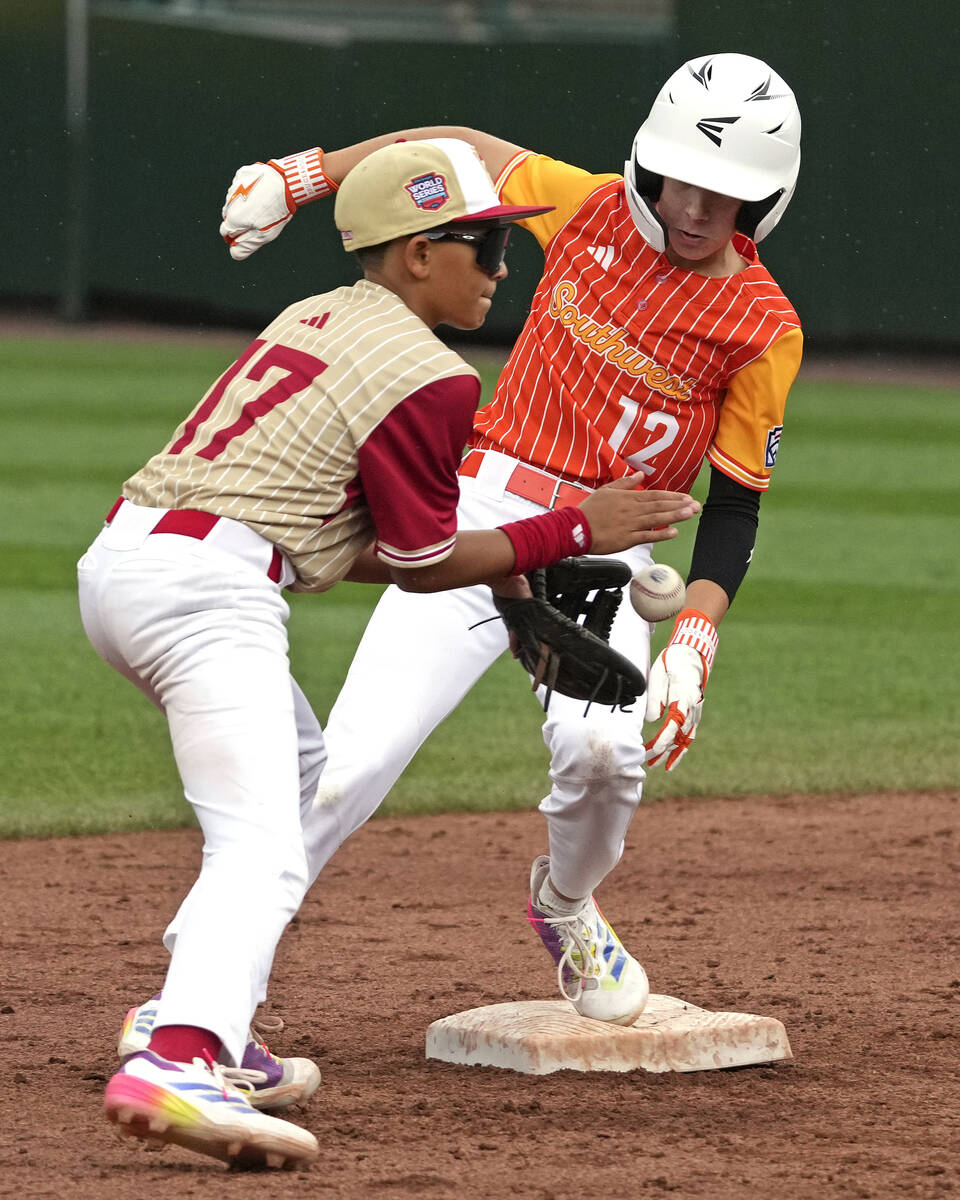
725 122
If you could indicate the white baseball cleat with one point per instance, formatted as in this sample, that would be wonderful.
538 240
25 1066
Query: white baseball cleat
192 1105
595 973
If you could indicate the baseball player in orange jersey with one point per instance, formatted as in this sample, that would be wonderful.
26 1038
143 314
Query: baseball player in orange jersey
329 449
656 339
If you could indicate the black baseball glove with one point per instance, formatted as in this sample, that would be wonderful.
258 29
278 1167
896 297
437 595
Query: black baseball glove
561 635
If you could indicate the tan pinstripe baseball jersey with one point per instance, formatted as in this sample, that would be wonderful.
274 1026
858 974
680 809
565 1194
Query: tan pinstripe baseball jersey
344 421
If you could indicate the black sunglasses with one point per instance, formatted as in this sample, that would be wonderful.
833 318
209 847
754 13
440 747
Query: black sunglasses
490 245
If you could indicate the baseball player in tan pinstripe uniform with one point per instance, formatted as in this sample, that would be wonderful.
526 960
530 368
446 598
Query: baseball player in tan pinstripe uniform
328 450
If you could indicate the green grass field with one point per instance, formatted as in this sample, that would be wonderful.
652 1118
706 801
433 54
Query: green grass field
835 669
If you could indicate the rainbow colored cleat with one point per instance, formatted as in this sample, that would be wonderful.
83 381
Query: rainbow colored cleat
192 1105
594 971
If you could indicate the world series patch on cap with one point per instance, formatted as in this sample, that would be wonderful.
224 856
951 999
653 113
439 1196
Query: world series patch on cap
409 187
429 191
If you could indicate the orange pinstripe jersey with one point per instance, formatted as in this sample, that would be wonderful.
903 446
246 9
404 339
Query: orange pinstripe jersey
628 363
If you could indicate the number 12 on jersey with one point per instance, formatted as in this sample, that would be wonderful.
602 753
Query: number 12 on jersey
641 460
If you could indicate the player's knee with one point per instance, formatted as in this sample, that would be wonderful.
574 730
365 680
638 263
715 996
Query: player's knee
353 786
600 757
352 795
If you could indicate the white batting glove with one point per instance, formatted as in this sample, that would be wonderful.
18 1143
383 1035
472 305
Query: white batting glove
676 685
262 197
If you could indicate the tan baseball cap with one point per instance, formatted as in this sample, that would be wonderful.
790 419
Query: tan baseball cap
409 187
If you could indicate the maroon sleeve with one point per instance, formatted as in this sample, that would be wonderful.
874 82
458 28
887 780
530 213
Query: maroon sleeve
408 468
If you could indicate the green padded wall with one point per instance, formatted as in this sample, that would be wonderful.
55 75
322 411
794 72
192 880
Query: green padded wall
865 250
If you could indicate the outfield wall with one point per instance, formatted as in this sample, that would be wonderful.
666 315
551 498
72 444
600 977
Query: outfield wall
862 251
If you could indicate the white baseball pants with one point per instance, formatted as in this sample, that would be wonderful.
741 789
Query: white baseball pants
201 630
417 659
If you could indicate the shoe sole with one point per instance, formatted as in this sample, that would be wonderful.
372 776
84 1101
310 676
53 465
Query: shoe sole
143 1110
625 1019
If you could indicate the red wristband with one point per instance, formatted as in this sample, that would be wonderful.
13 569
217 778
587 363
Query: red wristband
545 539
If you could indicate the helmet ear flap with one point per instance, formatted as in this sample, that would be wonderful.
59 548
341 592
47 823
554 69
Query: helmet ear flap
758 217
752 213
648 185
643 190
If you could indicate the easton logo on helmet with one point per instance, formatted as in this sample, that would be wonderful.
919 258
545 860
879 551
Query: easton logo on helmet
712 127
428 191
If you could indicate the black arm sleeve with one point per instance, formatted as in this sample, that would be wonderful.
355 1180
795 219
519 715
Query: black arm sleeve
726 533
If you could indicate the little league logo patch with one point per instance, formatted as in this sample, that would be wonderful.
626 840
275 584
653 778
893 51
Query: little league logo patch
429 191
773 445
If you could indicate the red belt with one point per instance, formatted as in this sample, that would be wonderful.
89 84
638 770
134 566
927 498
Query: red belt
531 484
191 522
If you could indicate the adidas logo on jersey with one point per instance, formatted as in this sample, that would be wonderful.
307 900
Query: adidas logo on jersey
603 255
317 322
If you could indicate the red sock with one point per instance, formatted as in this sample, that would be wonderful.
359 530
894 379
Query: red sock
184 1043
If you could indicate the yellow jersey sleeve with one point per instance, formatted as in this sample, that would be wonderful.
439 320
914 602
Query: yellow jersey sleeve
530 178
751 415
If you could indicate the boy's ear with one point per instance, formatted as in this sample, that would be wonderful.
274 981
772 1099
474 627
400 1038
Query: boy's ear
417 255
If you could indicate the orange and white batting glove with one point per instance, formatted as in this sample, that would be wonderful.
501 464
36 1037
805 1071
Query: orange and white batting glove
676 685
262 197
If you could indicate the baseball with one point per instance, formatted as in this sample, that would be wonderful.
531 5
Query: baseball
657 592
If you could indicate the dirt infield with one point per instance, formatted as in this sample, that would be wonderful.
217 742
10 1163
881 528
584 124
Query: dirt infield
838 915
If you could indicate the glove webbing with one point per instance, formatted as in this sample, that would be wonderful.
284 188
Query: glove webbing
584 588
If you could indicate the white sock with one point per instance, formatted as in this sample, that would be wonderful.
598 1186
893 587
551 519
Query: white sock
548 899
